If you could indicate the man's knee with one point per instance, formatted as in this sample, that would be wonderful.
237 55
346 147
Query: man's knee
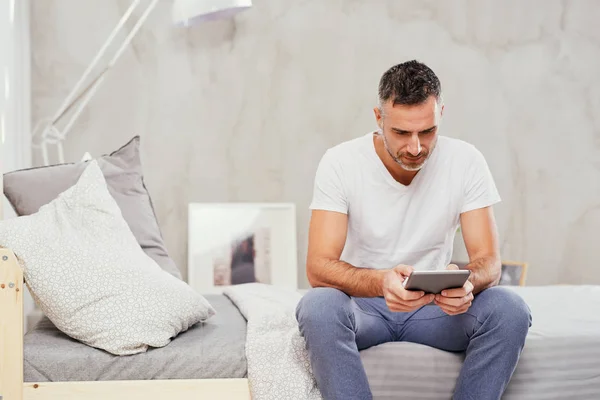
320 307
507 308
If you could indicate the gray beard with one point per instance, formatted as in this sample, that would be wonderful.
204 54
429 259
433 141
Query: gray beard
399 161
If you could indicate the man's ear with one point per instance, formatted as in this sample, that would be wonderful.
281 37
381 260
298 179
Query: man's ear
378 118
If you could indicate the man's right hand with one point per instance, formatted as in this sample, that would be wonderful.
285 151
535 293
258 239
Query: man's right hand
399 299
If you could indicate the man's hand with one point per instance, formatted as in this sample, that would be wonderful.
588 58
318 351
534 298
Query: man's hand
396 297
455 301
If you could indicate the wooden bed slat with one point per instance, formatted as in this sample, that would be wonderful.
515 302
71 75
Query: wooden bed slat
213 389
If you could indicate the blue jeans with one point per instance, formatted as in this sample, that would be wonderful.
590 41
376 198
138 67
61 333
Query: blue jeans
336 326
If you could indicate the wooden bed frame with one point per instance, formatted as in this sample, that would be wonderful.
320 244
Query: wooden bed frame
12 386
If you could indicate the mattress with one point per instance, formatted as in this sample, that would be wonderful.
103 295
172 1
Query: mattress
214 349
561 358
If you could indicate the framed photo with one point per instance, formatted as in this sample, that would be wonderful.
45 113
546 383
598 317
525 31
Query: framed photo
236 243
513 273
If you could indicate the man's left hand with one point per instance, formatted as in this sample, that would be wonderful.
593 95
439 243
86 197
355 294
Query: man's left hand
455 301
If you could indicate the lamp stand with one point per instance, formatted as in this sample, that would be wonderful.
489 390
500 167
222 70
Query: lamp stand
50 133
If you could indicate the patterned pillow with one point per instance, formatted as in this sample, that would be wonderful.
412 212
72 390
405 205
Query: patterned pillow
89 275
29 189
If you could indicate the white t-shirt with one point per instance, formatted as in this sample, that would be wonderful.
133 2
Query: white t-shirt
390 223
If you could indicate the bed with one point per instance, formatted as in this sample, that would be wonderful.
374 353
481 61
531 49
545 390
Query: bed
49 358
561 358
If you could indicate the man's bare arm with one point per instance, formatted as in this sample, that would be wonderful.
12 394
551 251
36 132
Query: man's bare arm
481 240
326 239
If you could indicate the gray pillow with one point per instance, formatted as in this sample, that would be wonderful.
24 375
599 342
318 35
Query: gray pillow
29 189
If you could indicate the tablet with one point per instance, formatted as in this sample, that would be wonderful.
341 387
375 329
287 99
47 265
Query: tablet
436 281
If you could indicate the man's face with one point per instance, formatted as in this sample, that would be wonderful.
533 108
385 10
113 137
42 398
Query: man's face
410 132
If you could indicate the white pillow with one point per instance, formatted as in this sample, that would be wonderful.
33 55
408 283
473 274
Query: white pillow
90 276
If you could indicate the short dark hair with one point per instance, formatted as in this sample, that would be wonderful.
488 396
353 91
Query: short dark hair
409 83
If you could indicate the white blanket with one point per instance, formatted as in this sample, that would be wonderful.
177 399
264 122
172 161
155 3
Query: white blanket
278 363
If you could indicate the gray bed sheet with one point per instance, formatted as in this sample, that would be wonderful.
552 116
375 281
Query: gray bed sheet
214 349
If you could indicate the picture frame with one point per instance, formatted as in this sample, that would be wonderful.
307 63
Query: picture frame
514 273
236 243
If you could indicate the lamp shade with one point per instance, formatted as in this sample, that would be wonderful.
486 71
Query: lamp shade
188 12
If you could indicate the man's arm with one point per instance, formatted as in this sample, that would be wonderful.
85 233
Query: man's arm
481 240
326 239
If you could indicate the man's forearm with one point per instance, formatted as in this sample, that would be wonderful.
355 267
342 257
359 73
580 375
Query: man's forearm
485 272
359 282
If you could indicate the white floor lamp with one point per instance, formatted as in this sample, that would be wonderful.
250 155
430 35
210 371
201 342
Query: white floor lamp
185 13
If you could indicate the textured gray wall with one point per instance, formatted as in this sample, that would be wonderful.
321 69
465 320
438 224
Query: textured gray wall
242 111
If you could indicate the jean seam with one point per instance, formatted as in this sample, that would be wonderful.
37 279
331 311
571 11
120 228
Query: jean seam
475 318
379 316
442 316
352 318
370 313
475 329
364 311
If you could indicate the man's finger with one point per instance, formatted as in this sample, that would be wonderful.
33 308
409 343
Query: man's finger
454 301
404 270
393 295
401 305
458 292
456 311
422 301
452 267
408 295
402 294
448 309
449 303
394 298
396 285
453 310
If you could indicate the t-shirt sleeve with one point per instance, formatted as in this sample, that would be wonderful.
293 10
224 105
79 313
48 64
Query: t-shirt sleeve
480 189
328 191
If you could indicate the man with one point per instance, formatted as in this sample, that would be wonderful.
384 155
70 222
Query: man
386 204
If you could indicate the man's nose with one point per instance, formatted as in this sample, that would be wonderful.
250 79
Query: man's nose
414 146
